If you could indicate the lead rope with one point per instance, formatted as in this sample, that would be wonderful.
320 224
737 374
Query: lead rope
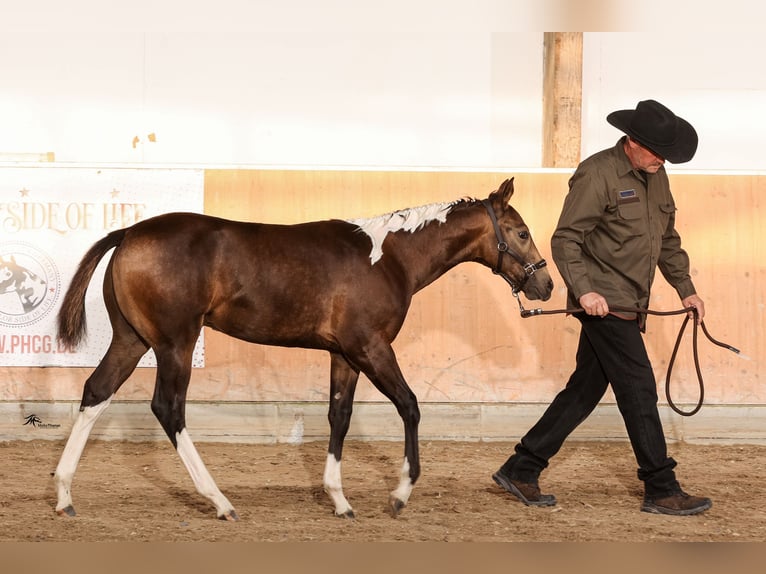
525 313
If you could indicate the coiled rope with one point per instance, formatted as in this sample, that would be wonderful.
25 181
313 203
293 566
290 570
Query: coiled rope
525 313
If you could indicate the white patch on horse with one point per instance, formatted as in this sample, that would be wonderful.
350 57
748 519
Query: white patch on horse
404 489
73 450
333 485
202 479
377 228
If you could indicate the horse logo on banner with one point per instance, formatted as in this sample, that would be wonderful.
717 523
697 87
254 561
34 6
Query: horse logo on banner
29 284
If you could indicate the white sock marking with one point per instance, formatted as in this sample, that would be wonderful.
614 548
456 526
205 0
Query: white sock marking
333 485
202 479
404 489
73 450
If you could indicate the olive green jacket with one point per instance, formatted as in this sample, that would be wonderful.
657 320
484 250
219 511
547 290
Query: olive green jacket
616 227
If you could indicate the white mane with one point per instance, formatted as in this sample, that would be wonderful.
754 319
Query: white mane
405 220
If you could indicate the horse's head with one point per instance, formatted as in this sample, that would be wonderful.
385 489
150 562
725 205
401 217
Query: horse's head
511 252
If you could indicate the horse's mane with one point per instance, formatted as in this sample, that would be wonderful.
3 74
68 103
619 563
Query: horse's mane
412 219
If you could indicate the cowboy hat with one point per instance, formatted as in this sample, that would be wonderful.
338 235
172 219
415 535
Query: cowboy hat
657 128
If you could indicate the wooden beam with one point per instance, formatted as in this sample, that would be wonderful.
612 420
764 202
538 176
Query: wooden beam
562 98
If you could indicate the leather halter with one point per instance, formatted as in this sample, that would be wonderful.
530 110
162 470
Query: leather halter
502 248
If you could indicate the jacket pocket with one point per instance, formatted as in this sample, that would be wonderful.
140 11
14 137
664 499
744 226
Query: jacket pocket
667 208
630 209
665 212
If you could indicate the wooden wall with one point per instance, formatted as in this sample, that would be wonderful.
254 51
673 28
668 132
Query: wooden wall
463 340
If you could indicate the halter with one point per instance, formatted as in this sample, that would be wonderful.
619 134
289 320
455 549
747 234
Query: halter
502 248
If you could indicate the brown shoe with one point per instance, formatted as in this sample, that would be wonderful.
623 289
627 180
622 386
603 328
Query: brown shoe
678 504
526 492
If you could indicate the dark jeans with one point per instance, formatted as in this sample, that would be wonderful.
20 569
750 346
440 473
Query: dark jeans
611 350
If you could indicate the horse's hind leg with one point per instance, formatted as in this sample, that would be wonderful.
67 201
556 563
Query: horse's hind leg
343 379
169 406
119 362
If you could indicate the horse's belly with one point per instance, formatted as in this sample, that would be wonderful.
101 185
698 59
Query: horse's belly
279 334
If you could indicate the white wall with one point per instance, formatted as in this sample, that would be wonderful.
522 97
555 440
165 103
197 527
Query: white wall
417 83
280 83
715 81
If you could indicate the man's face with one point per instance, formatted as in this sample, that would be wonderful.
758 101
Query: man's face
643 158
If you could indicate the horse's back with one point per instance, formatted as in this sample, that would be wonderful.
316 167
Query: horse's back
195 231
175 239
260 282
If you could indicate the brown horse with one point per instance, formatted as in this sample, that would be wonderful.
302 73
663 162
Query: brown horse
341 286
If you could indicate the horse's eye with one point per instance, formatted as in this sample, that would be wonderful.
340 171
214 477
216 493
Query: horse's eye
524 234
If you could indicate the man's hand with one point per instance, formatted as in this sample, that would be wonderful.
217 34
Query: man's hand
697 303
594 304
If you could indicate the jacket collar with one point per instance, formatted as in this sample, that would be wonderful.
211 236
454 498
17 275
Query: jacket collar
624 167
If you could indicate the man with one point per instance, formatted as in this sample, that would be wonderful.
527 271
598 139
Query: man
616 227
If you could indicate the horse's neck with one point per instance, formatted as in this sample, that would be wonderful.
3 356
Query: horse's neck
431 251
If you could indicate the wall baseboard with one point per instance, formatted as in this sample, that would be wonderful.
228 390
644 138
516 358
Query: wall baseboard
305 422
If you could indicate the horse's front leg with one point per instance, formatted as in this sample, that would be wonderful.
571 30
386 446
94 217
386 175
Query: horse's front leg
383 371
410 470
343 379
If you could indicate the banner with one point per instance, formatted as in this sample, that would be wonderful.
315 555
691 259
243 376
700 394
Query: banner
49 218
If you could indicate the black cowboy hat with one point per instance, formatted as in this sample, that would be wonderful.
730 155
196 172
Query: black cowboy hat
657 128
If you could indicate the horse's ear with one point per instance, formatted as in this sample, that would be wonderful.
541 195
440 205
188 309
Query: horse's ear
504 192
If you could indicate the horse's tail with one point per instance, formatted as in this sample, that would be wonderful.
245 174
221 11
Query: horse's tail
71 317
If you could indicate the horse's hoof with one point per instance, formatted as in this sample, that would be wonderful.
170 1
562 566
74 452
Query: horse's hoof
68 511
349 514
395 506
230 516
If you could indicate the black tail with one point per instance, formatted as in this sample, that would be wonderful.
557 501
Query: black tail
71 318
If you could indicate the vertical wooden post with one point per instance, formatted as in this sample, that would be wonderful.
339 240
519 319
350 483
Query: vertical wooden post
562 98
